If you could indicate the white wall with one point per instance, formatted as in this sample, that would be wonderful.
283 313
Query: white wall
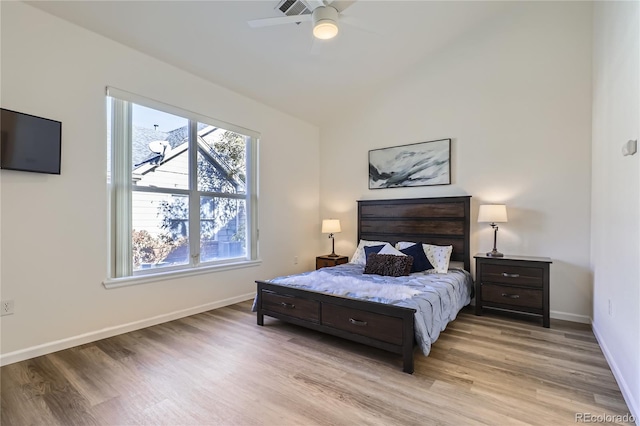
54 228
615 225
514 94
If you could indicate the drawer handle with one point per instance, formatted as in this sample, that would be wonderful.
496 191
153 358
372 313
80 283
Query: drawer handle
288 305
357 322
504 274
511 296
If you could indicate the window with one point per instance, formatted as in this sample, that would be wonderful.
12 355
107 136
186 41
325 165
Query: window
182 189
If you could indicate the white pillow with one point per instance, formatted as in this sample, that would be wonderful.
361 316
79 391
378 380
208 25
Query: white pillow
358 256
438 255
388 249
403 245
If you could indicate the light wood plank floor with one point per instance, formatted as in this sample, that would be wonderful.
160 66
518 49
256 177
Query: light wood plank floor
219 367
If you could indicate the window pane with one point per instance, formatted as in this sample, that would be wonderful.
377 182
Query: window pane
160 230
160 149
155 175
221 160
222 228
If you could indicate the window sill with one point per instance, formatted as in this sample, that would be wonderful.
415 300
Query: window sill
170 275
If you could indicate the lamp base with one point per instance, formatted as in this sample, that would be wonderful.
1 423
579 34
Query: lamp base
495 253
333 255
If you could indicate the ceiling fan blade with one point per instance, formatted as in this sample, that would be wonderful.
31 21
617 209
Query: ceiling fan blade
341 5
267 22
357 24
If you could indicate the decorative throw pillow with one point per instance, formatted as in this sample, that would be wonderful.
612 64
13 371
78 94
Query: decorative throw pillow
401 245
359 257
388 265
389 249
372 249
420 261
438 256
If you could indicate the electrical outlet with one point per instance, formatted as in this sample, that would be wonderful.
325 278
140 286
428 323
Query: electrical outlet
6 307
295 260
610 308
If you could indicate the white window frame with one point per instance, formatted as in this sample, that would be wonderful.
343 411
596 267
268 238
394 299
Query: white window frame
120 188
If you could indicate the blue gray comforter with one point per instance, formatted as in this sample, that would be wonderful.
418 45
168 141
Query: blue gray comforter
437 298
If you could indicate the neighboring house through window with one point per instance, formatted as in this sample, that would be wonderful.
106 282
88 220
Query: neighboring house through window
183 188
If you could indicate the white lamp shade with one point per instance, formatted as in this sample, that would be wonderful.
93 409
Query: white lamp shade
492 213
331 226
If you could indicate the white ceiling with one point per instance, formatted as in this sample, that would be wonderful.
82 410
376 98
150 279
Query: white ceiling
283 66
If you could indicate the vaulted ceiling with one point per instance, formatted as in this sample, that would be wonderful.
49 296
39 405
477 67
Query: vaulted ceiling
283 66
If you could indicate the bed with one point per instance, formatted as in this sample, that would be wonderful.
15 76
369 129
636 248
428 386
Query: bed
384 321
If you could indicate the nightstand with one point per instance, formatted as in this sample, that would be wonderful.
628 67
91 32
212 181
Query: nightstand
325 261
513 284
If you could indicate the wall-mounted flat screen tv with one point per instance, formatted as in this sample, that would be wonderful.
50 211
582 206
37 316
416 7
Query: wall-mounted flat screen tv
29 143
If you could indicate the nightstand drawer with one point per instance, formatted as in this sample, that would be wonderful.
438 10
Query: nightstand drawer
509 274
514 296
324 263
329 261
291 306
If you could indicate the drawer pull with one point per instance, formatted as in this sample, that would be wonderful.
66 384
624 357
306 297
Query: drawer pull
357 322
288 305
504 274
511 296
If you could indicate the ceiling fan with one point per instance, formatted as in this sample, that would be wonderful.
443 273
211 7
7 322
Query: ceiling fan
324 15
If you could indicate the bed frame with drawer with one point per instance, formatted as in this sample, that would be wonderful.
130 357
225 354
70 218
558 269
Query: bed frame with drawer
440 221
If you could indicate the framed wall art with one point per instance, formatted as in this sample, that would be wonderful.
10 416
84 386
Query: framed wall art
417 164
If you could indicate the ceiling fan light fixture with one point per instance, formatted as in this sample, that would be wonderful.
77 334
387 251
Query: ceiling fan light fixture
324 30
325 22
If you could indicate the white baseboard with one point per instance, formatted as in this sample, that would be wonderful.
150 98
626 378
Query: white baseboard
584 319
632 402
69 342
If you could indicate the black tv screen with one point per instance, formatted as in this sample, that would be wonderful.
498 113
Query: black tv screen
29 143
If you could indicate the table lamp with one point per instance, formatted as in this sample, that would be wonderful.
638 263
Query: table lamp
331 226
493 213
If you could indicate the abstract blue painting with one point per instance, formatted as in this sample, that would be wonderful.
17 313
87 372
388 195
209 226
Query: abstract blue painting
418 164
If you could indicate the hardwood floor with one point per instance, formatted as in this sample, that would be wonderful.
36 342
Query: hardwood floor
219 367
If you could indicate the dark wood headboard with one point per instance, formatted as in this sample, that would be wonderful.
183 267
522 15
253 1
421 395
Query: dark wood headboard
440 221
